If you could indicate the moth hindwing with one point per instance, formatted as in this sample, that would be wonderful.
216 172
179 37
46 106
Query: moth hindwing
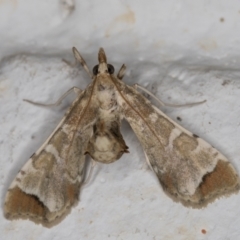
188 168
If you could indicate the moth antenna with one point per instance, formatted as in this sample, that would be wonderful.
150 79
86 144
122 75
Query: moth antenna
136 86
79 58
121 72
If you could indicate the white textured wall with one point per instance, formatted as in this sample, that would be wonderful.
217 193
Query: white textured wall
183 51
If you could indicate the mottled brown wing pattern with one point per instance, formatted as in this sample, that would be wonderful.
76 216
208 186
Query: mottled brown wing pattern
48 185
189 169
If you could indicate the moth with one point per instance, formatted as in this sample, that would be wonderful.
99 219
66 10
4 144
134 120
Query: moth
189 169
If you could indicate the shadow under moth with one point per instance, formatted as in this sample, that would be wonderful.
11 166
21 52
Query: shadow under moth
189 169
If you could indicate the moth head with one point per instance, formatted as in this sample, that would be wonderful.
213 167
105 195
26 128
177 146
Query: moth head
103 67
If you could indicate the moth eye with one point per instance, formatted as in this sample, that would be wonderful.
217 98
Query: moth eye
110 68
95 70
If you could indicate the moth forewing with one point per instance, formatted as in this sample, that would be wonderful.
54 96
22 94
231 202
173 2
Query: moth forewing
48 185
190 170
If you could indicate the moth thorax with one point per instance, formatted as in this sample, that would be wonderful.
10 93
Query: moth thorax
106 95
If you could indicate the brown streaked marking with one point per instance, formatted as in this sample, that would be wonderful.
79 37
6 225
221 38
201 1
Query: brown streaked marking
44 160
59 140
222 178
72 193
129 113
24 204
164 127
167 182
185 144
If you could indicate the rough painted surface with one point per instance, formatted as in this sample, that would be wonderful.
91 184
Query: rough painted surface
182 52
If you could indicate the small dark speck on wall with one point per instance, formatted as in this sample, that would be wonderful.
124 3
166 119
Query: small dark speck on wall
179 119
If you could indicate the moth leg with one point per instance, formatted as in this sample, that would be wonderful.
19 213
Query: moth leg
148 162
136 86
93 164
121 72
75 89
74 64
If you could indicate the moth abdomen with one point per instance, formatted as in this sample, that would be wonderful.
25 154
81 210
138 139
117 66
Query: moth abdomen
107 144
